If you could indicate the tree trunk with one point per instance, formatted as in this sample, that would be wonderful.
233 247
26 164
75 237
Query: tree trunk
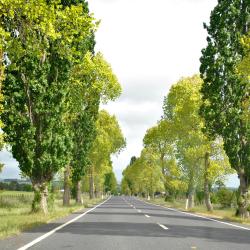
44 200
243 202
191 191
91 185
190 200
66 193
40 202
206 184
78 193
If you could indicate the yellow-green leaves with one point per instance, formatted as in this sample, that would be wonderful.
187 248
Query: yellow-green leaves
244 71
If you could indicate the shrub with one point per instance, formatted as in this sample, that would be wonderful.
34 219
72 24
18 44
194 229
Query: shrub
214 198
225 197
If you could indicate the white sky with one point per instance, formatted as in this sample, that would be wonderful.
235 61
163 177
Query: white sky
150 45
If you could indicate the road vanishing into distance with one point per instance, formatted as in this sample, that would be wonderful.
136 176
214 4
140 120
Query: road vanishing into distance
126 223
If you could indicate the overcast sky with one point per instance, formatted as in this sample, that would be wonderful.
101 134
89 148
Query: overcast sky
150 45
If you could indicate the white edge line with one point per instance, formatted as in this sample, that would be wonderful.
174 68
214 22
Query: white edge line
147 216
196 215
162 226
32 243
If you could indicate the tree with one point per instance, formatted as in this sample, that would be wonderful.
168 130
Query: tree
82 111
224 91
243 70
1 94
144 175
109 141
126 184
40 52
195 152
110 183
161 138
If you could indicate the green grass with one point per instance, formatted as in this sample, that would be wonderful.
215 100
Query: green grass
218 212
15 215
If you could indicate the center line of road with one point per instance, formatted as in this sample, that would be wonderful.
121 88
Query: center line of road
162 226
147 216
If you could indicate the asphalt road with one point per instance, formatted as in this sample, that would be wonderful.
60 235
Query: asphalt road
124 223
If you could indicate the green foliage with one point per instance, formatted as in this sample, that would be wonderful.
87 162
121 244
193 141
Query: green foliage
110 183
15 186
109 141
44 43
181 108
176 147
92 82
224 91
225 197
41 50
144 175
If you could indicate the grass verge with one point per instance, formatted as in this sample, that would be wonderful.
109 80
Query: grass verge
16 217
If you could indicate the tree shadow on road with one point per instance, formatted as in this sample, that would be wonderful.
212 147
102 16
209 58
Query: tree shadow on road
214 234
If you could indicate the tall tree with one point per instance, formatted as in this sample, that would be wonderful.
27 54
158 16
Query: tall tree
40 49
3 34
110 183
82 111
94 82
194 151
162 138
109 141
144 175
224 91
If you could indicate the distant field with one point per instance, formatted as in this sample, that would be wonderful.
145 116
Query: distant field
15 212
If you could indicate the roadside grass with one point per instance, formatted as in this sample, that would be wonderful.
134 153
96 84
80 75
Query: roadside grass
16 216
220 213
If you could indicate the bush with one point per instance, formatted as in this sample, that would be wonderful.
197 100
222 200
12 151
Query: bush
199 197
225 197
214 198
169 198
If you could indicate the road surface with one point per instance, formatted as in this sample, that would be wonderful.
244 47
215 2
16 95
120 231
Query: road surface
126 223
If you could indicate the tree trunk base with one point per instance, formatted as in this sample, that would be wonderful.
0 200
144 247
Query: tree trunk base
40 202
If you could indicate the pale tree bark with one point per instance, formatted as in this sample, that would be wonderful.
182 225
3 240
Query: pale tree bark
78 193
191 191
40 202
66 193
91 184
243 200
206 184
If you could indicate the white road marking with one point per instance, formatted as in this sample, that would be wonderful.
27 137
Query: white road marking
200 216
147 216
162 226
32 243
139 211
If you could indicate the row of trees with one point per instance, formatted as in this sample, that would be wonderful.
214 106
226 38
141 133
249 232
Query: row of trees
52 88
205 131
177 156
